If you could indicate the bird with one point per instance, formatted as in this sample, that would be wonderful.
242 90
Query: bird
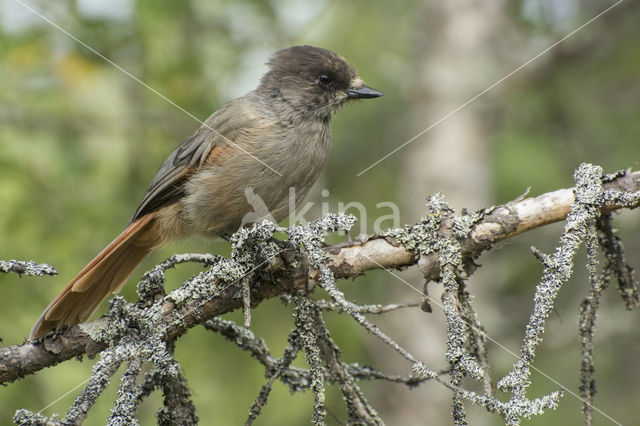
274 138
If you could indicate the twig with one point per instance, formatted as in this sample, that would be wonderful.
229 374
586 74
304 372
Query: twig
22 267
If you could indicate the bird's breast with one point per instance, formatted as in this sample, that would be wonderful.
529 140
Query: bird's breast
264 175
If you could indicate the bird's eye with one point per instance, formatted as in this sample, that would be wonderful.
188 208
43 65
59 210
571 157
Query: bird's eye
325 79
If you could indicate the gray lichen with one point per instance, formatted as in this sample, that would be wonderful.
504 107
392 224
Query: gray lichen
138 334
22 267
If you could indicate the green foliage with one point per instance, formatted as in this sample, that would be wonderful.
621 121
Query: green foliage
79 142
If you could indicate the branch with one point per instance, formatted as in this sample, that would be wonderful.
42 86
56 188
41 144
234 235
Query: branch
498 224
287 272
22 267
27 358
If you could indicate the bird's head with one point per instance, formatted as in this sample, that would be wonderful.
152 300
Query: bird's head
313 81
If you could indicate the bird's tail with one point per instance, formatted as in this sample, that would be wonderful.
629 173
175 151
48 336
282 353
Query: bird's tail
105 274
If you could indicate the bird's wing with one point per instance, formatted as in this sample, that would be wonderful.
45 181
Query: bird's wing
221 129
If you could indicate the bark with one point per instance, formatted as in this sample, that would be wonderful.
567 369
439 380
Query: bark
287 273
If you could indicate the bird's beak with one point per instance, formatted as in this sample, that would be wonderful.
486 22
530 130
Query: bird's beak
363 92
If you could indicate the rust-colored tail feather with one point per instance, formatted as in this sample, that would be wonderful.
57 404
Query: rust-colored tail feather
105 274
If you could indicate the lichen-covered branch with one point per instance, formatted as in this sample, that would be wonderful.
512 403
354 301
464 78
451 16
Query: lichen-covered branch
498 224
22 267
344 261
262 267
616 264
557 270
588 309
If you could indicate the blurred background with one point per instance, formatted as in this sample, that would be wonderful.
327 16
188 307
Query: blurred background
80 141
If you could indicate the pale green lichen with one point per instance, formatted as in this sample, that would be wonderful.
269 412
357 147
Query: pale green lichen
22 267
137 336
